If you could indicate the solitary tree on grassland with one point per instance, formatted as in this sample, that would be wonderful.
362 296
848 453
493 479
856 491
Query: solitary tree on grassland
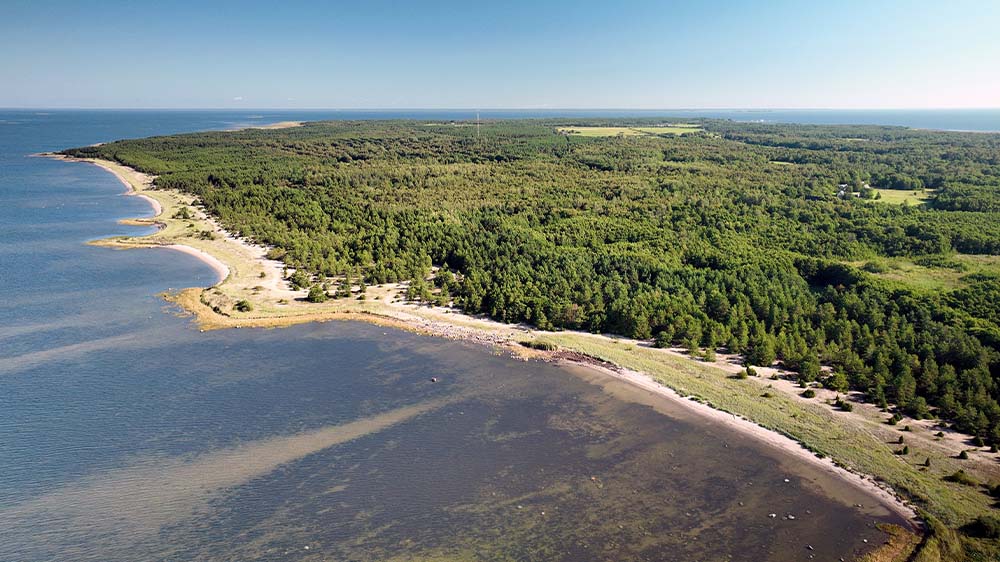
317 294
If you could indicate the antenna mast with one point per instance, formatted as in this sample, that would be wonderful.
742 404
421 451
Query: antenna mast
477 124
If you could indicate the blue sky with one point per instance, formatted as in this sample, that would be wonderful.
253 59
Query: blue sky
513 54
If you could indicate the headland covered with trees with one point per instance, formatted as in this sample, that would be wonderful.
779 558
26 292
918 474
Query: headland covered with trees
772 241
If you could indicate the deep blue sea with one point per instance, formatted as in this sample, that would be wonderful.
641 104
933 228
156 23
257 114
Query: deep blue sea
127 434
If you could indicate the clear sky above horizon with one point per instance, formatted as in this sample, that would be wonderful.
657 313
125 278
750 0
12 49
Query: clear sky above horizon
515 54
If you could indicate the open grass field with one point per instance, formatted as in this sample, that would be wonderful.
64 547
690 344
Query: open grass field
933 277
903 197
599 131
678 129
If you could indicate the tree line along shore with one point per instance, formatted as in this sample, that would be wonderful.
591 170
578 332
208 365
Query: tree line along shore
765 242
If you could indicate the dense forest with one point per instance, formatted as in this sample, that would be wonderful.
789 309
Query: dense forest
761 239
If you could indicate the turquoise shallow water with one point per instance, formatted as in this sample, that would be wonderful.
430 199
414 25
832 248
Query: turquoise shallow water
126 434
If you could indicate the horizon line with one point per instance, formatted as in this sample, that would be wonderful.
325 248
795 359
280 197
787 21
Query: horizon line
373 109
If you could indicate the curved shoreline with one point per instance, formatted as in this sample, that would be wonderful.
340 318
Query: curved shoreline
129 188
767 437
220 269
240 264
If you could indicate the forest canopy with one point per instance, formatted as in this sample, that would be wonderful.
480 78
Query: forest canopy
766 240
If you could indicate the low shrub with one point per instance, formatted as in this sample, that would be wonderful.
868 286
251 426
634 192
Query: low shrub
984 526
960 477
317 294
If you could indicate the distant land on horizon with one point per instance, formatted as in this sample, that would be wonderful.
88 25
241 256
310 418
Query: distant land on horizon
978 120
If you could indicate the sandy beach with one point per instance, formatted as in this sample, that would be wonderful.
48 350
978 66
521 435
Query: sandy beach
279 125
705 390
221 269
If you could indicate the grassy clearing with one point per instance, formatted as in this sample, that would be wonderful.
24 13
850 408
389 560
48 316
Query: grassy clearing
979 263
671 130
599 131
913 276
903 197
629 131
926 278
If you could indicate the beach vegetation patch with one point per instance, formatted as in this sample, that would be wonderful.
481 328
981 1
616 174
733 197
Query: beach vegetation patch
961 477
984 526
540 345
317 294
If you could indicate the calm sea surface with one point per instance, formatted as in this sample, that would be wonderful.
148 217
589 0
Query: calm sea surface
125 434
